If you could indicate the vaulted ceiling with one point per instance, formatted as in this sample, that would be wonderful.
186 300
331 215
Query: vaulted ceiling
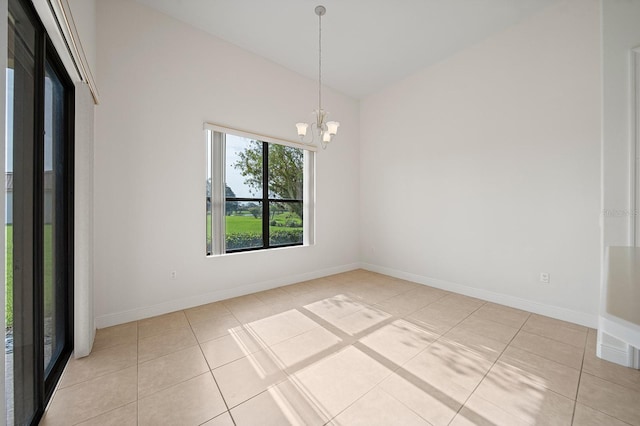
367 44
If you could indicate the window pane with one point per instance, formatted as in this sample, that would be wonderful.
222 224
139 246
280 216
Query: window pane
20 367
243 171
285 223
286 172
244 226
53 267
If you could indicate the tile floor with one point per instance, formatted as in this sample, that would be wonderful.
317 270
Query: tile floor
357 348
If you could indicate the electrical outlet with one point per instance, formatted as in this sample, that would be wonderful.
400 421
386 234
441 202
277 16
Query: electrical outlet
173 275
545 277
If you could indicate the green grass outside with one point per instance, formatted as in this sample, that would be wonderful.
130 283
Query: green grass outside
250 224
240 224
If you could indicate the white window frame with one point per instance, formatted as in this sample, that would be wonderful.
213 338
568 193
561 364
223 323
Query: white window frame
215 136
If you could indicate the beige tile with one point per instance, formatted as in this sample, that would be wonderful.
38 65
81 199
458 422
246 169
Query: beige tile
284 404
169 370
502 314
543 321
612 399
439 319
206 312
563 353
404 286
611 372
444 363
335 307
434 403
247 314
457 301
479 412
326 291
246 377
362 321
188 403
561 331
399 341
123 416
411 301
304 349
494 330
215 327
355 275
162 324
247 301
337 381
586 416
92 398
481 346
304 299
166 343
116 335
370 293
297 289
274 296
230 347
223 419
99 363
276 328
525 399
378 408
533 368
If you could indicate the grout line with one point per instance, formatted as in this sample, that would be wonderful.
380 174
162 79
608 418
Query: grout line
211 372
353 341
575 401
596 409
137 373
555 342
489 370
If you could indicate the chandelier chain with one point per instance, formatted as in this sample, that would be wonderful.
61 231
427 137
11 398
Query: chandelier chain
319 63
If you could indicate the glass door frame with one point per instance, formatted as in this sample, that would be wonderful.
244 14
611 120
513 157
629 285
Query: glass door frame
44 382
51 378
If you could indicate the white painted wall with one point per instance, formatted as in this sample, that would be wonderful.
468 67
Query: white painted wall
481 172
620 34
160 80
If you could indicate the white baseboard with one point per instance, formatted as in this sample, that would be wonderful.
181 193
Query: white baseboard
614 355
189 302
564 314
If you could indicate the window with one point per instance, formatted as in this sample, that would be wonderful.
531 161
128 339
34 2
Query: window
259 192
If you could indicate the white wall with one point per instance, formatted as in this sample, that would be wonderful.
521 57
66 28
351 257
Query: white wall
620 34
481 172
160 80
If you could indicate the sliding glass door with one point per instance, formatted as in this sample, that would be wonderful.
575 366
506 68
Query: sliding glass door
39 233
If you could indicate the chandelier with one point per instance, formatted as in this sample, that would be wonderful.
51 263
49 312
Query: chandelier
320 128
